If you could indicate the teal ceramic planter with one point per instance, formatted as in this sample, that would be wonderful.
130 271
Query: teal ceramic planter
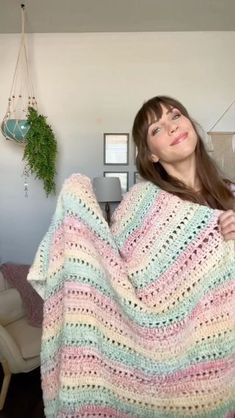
15 129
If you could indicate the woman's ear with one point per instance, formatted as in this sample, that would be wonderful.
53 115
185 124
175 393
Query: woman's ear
154 158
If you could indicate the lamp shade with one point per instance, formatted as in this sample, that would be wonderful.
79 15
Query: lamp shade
107 189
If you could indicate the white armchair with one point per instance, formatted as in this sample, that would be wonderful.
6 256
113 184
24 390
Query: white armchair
19 342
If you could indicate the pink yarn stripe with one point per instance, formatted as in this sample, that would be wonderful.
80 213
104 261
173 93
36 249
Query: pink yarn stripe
81 362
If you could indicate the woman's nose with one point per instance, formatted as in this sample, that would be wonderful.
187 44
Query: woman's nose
173 127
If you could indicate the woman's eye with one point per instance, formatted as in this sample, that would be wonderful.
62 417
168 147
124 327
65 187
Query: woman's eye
155 131
176 115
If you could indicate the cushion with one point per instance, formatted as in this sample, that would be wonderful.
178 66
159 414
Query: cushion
26 337
3 283
11 306
16 275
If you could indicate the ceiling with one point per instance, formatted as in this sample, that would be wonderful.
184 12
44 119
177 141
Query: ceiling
118 15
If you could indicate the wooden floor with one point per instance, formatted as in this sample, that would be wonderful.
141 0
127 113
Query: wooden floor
24 398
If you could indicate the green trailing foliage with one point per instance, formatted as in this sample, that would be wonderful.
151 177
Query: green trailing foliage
41 150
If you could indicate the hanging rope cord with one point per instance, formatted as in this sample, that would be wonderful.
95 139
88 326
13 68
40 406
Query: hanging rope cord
23 54
220 117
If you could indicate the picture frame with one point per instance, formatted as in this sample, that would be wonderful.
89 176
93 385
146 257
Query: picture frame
116 148
122 175
137 177
221 148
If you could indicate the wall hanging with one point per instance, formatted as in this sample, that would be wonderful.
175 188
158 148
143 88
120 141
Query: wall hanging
221 147
24 125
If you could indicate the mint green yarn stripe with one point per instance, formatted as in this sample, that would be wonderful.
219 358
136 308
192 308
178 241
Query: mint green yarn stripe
80 210
184 308
43 255
88 275
84 337
76 209
80 273
219 412
177 247
142 207
104 397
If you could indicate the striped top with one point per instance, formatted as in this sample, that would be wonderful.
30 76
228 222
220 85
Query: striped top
139 321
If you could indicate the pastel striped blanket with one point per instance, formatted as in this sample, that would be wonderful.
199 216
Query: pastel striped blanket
139 321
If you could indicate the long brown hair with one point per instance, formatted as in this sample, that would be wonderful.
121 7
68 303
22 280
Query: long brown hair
215 190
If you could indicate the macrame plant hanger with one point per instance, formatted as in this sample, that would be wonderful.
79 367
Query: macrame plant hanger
221 147
210 130
15 125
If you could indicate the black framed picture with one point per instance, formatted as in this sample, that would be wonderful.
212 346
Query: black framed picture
116 148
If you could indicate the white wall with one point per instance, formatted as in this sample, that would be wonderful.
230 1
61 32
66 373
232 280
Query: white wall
88 84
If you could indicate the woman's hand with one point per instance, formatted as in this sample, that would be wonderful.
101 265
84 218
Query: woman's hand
227 225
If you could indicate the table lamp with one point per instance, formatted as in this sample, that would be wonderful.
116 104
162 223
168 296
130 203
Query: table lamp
107 190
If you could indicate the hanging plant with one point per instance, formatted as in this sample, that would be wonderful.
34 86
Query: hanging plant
23 125
41 150
15 126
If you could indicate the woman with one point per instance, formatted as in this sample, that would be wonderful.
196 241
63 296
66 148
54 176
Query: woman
171 154
139 321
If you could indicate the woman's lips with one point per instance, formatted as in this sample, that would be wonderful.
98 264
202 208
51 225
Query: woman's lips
180 138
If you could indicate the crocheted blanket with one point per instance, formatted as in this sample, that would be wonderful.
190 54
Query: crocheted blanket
138 321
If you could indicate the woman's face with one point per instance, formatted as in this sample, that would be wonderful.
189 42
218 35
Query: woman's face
172 138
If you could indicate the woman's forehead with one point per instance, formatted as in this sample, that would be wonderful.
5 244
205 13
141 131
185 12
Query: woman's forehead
154 114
